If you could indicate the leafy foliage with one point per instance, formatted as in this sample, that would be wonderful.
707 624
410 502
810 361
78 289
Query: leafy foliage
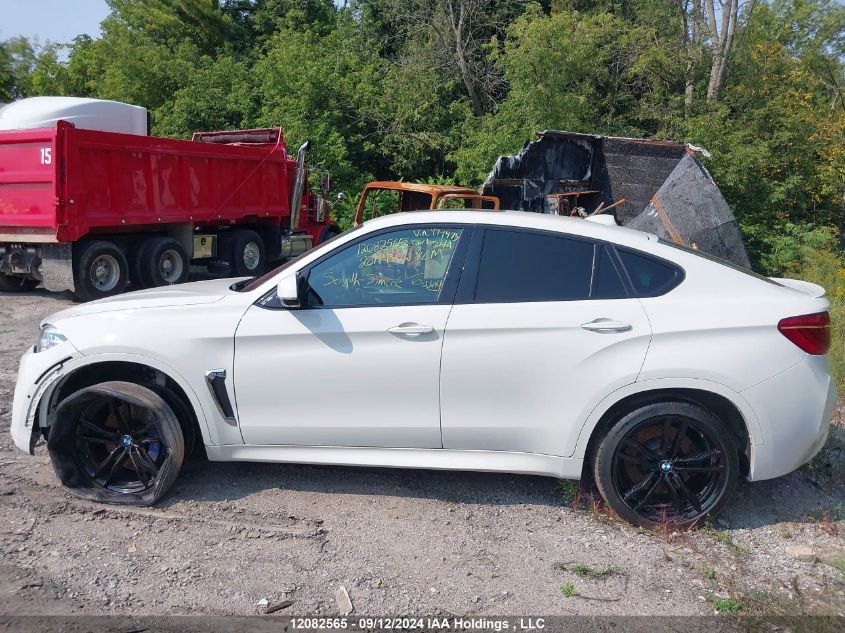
422 89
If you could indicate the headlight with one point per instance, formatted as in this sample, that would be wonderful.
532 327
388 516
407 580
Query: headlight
50 337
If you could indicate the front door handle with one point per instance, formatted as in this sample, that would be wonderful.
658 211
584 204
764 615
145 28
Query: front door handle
606 326
411 329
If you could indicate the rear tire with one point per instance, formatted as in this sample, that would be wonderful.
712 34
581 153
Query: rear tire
667 463
10 283
116 442
137 277
246 253
163 262
100 270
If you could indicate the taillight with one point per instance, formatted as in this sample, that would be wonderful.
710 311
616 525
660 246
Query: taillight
810 332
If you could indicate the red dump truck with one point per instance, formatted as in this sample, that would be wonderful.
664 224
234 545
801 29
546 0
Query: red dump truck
94 210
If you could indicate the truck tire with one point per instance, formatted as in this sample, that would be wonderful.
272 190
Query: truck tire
246 253
137 278
116 442
10 283
163 262
100 270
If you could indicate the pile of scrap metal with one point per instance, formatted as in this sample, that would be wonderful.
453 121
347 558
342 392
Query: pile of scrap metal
654 186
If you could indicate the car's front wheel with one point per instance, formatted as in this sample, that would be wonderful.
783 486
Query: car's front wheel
667 463
116 442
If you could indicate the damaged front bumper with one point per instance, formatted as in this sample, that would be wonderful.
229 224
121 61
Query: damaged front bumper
38 375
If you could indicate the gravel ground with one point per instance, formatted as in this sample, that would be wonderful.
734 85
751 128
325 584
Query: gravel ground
231 538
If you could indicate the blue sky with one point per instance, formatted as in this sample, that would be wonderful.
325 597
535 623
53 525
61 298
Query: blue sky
56 20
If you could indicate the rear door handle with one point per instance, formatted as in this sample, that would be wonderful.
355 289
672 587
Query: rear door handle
411 329
607 326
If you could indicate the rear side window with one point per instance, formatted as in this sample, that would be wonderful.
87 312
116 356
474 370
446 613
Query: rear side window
608 284
650 276
523 266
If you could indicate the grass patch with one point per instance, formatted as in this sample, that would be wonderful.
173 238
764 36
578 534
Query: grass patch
839 563
725 605
569 490
724 537
588 571
826 468
568 590
709 572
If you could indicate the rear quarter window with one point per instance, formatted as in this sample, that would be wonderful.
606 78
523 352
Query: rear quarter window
650 276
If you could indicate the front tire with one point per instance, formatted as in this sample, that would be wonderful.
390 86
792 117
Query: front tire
667 463
100 270
246 254
116 442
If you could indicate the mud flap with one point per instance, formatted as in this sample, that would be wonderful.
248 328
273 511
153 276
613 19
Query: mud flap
61 443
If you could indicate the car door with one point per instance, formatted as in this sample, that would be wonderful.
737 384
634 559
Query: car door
359 363
544 326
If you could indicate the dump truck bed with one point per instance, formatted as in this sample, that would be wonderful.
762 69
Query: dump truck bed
62 183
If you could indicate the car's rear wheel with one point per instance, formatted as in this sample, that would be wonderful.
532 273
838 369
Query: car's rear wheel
116 442
667 463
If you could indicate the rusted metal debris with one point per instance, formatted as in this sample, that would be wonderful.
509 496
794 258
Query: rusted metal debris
655 186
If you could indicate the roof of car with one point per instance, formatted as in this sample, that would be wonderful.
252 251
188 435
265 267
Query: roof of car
521 219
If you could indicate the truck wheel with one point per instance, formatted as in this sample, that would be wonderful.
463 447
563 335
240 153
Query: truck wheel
100 270
116 442
163 261
10 283
137 277
246 254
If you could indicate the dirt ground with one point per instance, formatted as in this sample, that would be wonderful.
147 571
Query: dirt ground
232 538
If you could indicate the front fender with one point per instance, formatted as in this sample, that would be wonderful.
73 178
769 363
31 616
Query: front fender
213 433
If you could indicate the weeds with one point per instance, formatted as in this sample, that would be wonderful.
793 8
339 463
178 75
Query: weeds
824 520
709 572
825 469
724 537
570 490
587 571
568 590
724 605
839 563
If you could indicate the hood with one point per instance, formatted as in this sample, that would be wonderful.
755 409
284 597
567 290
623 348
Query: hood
195 293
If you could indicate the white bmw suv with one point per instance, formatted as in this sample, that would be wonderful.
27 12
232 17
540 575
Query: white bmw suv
465 340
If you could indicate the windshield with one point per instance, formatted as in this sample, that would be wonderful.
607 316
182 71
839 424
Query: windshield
248 285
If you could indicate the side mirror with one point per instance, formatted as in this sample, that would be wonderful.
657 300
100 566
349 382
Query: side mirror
288 291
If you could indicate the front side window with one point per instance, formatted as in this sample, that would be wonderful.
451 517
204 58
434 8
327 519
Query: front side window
525 266
402 267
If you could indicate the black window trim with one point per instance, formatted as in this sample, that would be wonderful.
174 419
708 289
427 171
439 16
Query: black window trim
469 278
450 283
677 280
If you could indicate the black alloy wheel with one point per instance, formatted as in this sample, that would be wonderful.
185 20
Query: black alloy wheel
667 464
116 442
119 445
